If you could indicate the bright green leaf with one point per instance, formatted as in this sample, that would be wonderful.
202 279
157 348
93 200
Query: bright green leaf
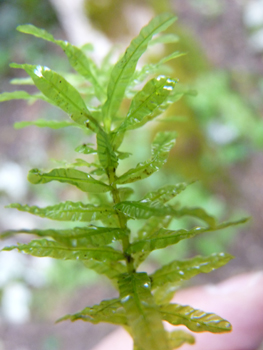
20 95
165 39
78 178
44 123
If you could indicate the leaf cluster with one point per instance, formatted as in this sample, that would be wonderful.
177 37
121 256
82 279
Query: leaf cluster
104 241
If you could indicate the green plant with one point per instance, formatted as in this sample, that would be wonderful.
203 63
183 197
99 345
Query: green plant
105 239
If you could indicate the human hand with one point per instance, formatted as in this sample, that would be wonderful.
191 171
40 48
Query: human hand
238 299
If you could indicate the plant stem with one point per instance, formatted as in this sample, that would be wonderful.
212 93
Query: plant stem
122 220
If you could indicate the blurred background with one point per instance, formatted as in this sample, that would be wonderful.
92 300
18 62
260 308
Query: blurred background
220 141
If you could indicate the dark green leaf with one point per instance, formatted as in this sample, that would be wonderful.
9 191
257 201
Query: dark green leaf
107 156
107 311
85 149
161 147
193 319
142 315
46 248
125 192
78 178
125 67
178 271
146 101
68 211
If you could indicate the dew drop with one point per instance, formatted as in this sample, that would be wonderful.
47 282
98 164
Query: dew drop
181 273
125 299
38 71
146 285
74 243
160 77
166 87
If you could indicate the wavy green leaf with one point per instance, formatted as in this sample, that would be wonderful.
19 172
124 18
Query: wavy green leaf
147 230
175 95
161 147
197 213
68 211
107 156
163 238
143 210
46 248
153 94
78 178
178 271
193 319
77 58
142 315
165 193
77 236
107 311
125 67
59 91
178 338
44 123
153 224
111 269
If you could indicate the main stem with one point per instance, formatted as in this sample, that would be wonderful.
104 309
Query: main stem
122 220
